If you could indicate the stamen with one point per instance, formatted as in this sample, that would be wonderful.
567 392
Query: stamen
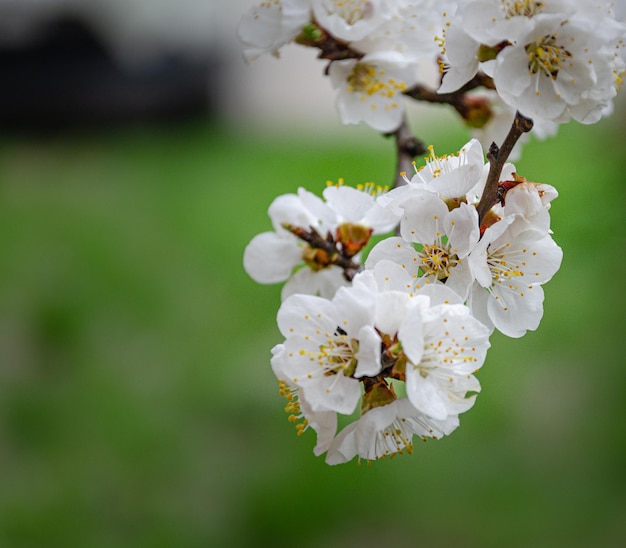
293 406
546 56
369 81
525 8
351 11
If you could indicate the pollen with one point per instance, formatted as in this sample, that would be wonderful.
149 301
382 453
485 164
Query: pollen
546 56
370 82
525 8
437 259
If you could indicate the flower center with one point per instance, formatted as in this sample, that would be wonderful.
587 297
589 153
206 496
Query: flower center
437 260
315 258
502 270
544 55
365 79
337 354
525 8
352 11
352 237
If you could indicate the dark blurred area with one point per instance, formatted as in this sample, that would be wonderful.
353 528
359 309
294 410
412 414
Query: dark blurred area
60 70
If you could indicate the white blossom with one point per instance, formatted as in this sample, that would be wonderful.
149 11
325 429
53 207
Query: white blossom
390 275
386 431
559 70
370 89
440 374
461 58
349 215
359 206
551 60
434 243
530 204
491 22
399 341
328 344
324 423
351 20
442 343
279 255
271 24
509 264
413 29
448 176
499 267
368 332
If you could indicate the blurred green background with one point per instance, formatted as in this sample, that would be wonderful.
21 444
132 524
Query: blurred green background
137 405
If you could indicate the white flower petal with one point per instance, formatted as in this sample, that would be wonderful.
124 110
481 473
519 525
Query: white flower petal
323 283
270 258
410 332
349 203
391 309
462 229
393 249
385 431
425 395
423 217
368 355
513 312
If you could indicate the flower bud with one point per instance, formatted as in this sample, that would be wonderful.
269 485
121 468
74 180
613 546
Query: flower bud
476 111
377 394
353 238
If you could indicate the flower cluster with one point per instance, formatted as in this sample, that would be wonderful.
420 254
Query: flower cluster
354 347
378 48
316 243
415 319
383 341
551 60
498 265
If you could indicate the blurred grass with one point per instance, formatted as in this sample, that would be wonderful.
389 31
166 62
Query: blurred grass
137 406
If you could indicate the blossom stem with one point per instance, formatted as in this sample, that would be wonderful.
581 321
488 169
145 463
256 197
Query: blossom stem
497 157
407 148
328 246
474 109
331 48
454 98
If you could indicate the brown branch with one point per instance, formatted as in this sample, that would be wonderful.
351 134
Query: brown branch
333 255
331 48
497 157
422 93
407 148
475 110
470 108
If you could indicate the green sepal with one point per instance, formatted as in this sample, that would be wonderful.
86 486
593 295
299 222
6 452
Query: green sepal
487 53
377 394
309 35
